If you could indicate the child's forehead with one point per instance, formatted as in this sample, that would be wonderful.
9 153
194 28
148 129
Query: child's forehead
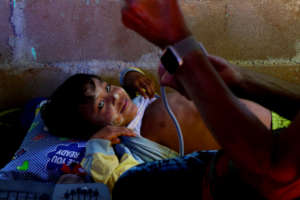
99 87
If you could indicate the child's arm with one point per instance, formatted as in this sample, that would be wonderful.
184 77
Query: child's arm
100 160
135 81
103 165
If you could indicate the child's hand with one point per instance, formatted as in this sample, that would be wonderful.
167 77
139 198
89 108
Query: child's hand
112 133
136 82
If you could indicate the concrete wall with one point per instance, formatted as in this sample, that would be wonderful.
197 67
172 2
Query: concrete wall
247 30
6 31
43 42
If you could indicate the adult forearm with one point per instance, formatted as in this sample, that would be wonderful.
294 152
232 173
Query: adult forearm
277 95
240 133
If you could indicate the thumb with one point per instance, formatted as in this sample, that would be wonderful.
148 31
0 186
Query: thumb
164 77
161 70
128 132
168 80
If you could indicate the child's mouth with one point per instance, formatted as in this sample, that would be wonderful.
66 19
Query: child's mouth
124 106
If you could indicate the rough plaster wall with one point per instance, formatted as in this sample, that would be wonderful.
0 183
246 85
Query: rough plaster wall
5 31
247 30
80 30
76 30
44 42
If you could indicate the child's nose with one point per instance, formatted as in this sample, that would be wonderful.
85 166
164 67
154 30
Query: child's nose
116 97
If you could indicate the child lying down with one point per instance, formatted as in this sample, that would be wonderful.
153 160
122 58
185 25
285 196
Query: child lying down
98 125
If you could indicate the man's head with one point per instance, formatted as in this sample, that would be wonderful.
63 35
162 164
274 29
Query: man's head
83 104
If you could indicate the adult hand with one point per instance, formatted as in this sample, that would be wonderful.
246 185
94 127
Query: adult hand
136 82
112 133
167 79
159 21
230 74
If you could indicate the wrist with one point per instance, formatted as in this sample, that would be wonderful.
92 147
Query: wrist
175 38
173 56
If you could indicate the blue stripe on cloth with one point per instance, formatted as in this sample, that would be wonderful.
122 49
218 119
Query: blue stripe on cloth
147 150
99 146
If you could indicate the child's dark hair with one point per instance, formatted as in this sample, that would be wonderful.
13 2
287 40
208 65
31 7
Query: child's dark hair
61 113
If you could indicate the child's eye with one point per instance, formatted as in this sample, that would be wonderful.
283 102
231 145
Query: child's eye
101 105
108 87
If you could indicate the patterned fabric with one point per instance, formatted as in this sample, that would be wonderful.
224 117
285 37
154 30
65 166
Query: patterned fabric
41 156
177 178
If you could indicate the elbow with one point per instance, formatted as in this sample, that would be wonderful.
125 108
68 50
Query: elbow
283 174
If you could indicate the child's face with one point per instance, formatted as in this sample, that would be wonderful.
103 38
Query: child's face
111 105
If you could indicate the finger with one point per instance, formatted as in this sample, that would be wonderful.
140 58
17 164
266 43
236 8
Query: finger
124 130
151 86
147 89
142 91
161 70
127 132
153 89
115 140
168 80
117 131
165 78
148 84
